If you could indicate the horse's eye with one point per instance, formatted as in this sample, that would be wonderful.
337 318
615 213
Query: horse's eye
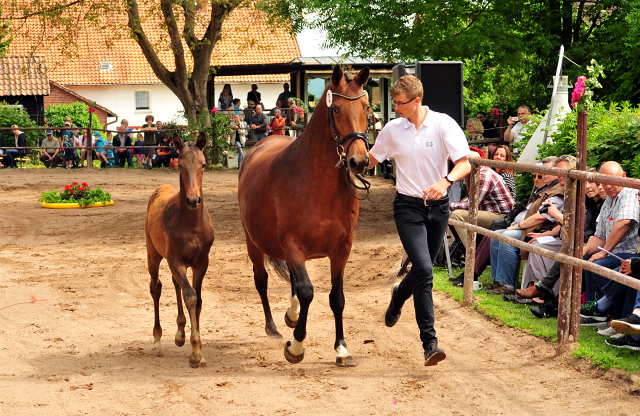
336 110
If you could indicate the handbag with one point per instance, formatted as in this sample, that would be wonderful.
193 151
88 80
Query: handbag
504 222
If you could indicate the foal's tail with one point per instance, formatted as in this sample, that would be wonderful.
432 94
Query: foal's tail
280 266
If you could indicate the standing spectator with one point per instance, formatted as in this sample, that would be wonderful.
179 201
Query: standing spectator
50 151
475 129
276 126
285 95
159 127
494 200
225 100
490 130
110 150
68 143
149 140
254 95
514 132
125 123
122 144
238 137
259 123
20 140
236 106
138 150
290 117
272 113
83 152
300 124
249 112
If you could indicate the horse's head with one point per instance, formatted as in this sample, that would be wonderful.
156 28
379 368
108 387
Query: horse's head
191 163
347 106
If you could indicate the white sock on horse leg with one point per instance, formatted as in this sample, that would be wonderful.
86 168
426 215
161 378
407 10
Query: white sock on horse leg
296 348
294 310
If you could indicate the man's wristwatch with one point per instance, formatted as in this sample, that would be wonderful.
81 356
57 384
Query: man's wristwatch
450 179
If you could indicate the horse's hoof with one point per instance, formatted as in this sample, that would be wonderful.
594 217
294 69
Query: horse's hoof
193 363
275 335
345 361
180 339
272 331
157 349
291 324
203 362
293 359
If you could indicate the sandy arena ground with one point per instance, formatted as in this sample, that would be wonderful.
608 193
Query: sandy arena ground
89 350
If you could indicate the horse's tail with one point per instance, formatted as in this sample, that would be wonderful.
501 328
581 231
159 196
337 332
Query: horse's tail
280 266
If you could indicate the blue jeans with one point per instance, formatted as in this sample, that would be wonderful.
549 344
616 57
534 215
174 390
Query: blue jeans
125 155
421 230
259 137
11 154
596 285
505 259
240 152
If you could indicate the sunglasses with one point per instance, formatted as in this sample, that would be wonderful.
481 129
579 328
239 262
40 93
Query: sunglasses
536 176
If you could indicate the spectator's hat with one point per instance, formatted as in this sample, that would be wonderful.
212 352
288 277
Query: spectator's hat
480 152
67 124
251 103
97 133
49 132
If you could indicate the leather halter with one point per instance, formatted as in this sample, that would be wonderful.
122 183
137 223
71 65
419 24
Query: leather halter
351 137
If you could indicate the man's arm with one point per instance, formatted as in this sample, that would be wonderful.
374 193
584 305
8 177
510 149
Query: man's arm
532 221
461 168
619 230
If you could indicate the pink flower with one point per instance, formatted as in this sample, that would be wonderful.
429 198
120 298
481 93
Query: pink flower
92 109
578 91
214 110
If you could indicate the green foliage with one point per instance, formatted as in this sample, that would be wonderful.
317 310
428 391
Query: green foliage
5 38
10 115
76 193
215 126
78 111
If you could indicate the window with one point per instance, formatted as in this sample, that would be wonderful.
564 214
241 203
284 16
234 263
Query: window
142 100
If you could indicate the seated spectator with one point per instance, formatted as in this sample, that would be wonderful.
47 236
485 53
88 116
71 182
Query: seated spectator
164 152
505 257
149 140
110 150
503 153
20 140
616 232
516 215
629 325
101 149
276 125
138 150
238 137
475 129
494 200
50 151
122 145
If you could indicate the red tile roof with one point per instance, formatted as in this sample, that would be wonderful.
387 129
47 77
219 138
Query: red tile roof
247 38
23 75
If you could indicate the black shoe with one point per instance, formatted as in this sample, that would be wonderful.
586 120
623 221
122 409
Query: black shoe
433 355
629 325
460 277
394 310
544 311
590 315
624 342
518 300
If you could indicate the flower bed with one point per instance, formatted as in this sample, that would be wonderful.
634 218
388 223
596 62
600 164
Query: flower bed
76 196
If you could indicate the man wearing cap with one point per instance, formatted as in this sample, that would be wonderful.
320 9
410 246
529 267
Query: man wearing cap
259 123
420 141
50 151
494 200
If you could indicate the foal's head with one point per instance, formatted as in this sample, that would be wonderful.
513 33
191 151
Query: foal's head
191 163
349 106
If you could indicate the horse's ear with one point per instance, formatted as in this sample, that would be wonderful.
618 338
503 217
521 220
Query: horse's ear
177 141
337 75
202 140
363 76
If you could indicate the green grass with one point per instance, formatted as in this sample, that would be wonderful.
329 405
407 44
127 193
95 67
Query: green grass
590 345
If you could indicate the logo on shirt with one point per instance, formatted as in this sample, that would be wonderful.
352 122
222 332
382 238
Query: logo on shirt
429 144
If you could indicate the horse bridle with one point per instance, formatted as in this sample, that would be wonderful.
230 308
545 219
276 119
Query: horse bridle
351 137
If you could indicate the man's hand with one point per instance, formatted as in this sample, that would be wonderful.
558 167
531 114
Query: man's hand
253 126
598 256
436 190
50 157
625 267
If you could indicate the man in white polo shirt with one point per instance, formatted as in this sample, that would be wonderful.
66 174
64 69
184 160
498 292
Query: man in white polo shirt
420 143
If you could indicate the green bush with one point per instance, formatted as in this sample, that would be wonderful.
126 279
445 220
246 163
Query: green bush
215 126
78 111
10 115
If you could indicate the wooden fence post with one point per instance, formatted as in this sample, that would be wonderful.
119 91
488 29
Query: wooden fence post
470 255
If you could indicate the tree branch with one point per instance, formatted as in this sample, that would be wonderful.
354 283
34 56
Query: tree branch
54 9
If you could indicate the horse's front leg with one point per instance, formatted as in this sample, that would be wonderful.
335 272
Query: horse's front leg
199 270
294 350
155 287
336 301
179 272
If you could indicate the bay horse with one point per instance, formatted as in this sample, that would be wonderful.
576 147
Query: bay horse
297 203
178 228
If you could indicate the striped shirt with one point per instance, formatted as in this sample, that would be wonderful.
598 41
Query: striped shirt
510 181
624 207
494 195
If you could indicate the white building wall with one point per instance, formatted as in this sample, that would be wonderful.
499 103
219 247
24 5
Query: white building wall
121 99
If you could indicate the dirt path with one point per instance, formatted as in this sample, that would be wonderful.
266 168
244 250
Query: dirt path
89 350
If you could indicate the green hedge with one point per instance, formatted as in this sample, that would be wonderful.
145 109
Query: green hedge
10 115
78 111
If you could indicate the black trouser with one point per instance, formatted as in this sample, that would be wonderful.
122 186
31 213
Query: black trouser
421 230
51 163
163 161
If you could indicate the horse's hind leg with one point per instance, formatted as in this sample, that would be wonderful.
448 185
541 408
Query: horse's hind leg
294 349
293 312
336 301
261 280
155 287
181 320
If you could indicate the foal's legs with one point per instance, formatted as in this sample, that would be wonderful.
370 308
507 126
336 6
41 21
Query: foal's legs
179 272
261 279
199 270
336 301
294 350
155 287
181 321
